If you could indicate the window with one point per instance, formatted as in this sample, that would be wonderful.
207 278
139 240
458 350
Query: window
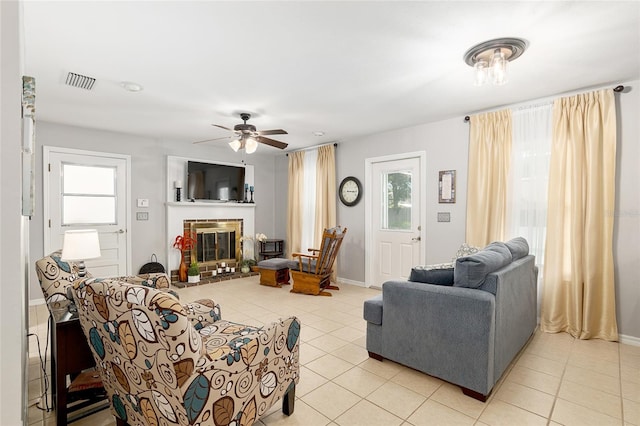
88 195
397 203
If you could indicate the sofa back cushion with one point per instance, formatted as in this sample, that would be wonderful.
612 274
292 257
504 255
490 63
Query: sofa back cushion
518 247
439 276
471 271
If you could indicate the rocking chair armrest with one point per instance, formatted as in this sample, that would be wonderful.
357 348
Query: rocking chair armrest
311 256
312 250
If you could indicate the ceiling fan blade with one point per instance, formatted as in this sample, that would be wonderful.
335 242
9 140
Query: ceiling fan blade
272 132
211 140
222 127
271 142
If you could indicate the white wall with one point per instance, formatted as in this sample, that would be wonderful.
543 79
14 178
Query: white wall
148 180
13 255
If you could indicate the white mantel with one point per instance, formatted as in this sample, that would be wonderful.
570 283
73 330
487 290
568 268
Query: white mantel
177 213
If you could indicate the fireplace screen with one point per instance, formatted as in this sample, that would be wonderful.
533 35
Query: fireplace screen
216 242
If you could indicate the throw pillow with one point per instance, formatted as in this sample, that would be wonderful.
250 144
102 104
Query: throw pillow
471 271
464 250
518 247
432 276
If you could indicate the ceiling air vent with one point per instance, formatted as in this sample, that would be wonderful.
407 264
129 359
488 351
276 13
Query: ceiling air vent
80 81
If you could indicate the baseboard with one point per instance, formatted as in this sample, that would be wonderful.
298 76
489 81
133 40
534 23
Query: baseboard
629 340
351 282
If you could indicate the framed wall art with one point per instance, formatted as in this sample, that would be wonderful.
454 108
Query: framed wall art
447 186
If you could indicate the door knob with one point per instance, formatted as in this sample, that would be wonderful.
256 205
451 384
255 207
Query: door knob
120 231
416 238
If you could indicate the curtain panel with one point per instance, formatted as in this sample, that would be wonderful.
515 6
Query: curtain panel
579 289
489 160
294 200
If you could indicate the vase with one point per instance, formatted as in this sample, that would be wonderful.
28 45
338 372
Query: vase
182 271
245 269
193 279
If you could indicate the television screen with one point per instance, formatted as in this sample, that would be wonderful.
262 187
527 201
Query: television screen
219 182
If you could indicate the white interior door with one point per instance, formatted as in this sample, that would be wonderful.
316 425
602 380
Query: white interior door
88 190
396 231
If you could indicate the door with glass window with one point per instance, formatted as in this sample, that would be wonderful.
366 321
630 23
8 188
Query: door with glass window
395 219
86 190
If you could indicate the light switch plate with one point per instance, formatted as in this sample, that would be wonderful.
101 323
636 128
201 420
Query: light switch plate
143 202
142 215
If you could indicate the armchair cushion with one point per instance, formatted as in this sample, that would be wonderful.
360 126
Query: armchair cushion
432 276
518 247
55 276
471 271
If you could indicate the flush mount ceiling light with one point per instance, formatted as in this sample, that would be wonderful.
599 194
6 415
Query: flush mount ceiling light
130 86
490 59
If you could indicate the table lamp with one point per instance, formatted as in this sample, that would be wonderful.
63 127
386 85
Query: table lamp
80 245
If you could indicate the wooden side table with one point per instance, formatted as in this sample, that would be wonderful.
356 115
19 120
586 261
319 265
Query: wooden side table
271 248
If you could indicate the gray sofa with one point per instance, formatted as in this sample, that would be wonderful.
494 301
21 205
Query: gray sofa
466 333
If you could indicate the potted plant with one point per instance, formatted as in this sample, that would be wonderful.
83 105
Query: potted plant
194 273
246 265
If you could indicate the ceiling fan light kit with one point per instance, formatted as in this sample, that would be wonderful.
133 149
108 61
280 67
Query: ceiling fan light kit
247 137
490 59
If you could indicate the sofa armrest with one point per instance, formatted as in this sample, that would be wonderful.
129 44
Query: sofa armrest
202 312
448 331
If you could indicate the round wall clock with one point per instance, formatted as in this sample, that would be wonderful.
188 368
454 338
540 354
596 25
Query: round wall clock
350 191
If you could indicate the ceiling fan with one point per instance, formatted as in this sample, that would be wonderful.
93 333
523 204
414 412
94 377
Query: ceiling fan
247 137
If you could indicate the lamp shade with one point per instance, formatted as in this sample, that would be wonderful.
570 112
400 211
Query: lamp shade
235 145
251 145
81 244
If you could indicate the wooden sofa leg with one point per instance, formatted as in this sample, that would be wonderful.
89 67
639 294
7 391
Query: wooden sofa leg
120 422
473 394
288 401
375 356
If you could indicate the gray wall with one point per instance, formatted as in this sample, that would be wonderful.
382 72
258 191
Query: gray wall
148 180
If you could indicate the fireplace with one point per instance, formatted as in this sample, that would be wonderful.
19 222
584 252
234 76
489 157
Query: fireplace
218 240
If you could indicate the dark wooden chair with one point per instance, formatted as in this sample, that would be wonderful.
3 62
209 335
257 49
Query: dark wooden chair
312 272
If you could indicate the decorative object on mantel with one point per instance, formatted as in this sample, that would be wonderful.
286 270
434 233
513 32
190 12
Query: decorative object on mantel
178 186
183 242
193 273
251 190
246 188
490 59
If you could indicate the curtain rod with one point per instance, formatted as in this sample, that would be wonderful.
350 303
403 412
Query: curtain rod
335 144
618 89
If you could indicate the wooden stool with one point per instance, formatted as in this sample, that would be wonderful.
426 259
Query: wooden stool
274 272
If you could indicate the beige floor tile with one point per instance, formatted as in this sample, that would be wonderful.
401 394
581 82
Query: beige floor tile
596 348
569 414
359 381
452 397
327 343
592 379
329 366
309 380
499 413
365 413
594 399
331 400
631 390
309 353
526 398
327 325
101 418
362 342
417 381
385 369
309 333
630 373
543 365
396 399
534 379
432 413
348 333
587 362
303 415
631 412
351 353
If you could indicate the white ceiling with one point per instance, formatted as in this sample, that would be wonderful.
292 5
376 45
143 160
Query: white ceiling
347 68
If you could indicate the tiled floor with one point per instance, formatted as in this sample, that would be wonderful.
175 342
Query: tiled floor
556 379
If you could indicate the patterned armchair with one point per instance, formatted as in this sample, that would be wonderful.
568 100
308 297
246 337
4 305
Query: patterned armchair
162 362
56 275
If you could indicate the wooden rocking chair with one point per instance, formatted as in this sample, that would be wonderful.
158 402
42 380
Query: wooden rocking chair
312 272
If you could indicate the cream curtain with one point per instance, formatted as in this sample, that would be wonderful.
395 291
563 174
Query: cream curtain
294 199
489 159
325 191
578 291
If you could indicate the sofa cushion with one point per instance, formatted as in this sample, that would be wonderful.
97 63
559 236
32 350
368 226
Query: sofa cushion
465 250
423 274
373 310
471 271
518 247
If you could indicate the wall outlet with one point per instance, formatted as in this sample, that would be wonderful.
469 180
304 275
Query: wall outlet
142 215
444 217
143 202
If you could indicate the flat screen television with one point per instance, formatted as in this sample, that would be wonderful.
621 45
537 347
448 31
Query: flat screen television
216 182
